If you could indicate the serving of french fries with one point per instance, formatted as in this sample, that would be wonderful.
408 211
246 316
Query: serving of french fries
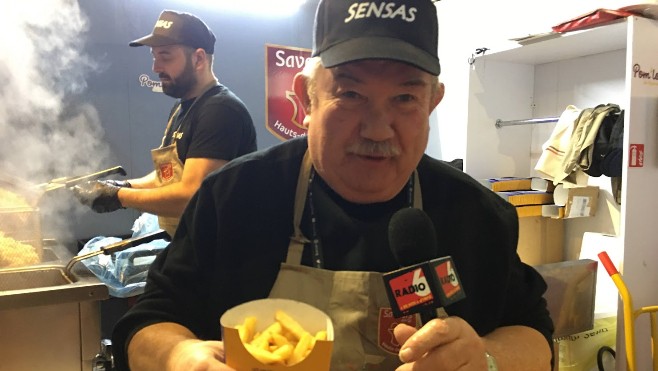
284 342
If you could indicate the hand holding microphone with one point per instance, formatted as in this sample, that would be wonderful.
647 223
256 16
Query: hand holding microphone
424 283
446 344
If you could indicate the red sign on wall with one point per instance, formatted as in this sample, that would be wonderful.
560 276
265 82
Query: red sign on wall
284 113
636 155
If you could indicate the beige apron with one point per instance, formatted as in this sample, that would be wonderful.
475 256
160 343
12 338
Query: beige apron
356 301
167 164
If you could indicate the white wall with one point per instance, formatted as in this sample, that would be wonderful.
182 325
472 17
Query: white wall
465 25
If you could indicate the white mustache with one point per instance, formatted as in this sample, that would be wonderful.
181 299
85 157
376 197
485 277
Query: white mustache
374 149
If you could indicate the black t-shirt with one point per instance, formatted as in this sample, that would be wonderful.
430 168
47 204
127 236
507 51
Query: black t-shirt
217 126
353 236
236 230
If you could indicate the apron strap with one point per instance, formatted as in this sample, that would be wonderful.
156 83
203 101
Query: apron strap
298 240
173 118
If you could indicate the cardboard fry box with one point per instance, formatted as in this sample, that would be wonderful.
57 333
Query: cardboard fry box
309 317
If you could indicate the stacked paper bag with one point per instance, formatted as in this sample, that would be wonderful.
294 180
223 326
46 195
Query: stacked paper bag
528 194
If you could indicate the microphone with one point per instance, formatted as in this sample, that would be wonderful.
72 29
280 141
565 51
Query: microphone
424 283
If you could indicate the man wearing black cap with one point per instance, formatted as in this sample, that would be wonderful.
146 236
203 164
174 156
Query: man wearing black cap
307 220
207 127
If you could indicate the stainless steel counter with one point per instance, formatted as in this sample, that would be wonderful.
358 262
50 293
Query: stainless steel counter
50 321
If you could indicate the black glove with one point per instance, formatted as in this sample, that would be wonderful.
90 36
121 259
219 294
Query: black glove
118 183
101 196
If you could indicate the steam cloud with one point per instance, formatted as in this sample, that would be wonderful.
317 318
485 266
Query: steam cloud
46 130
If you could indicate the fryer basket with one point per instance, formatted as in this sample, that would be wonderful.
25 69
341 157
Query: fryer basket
22 224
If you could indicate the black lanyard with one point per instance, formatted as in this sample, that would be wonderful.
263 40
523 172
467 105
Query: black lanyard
318 257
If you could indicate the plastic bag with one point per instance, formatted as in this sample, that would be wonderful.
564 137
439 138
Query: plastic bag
124 272
146 223
579 352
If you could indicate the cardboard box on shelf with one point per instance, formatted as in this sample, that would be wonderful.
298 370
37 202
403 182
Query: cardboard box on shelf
578 202
541 240
310 318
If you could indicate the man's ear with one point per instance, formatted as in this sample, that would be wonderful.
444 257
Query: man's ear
198 57
306 121
438 96
299 88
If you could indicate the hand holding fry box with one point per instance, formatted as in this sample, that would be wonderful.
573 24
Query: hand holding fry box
277 334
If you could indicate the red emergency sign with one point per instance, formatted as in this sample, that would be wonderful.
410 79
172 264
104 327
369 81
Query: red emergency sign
636 155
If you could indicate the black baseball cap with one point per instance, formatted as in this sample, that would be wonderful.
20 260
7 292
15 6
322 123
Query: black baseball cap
405 31
174 27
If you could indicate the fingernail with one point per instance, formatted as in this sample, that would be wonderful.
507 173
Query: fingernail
404 354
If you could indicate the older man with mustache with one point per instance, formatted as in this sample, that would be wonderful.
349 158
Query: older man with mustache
308 219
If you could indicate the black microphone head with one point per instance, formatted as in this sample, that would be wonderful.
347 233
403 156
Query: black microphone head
412 237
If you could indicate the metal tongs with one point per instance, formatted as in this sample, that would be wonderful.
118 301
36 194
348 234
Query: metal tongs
72 181
33 192
117 246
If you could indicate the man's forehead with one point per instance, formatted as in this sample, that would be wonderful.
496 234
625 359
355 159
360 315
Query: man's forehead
366 67
166 48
